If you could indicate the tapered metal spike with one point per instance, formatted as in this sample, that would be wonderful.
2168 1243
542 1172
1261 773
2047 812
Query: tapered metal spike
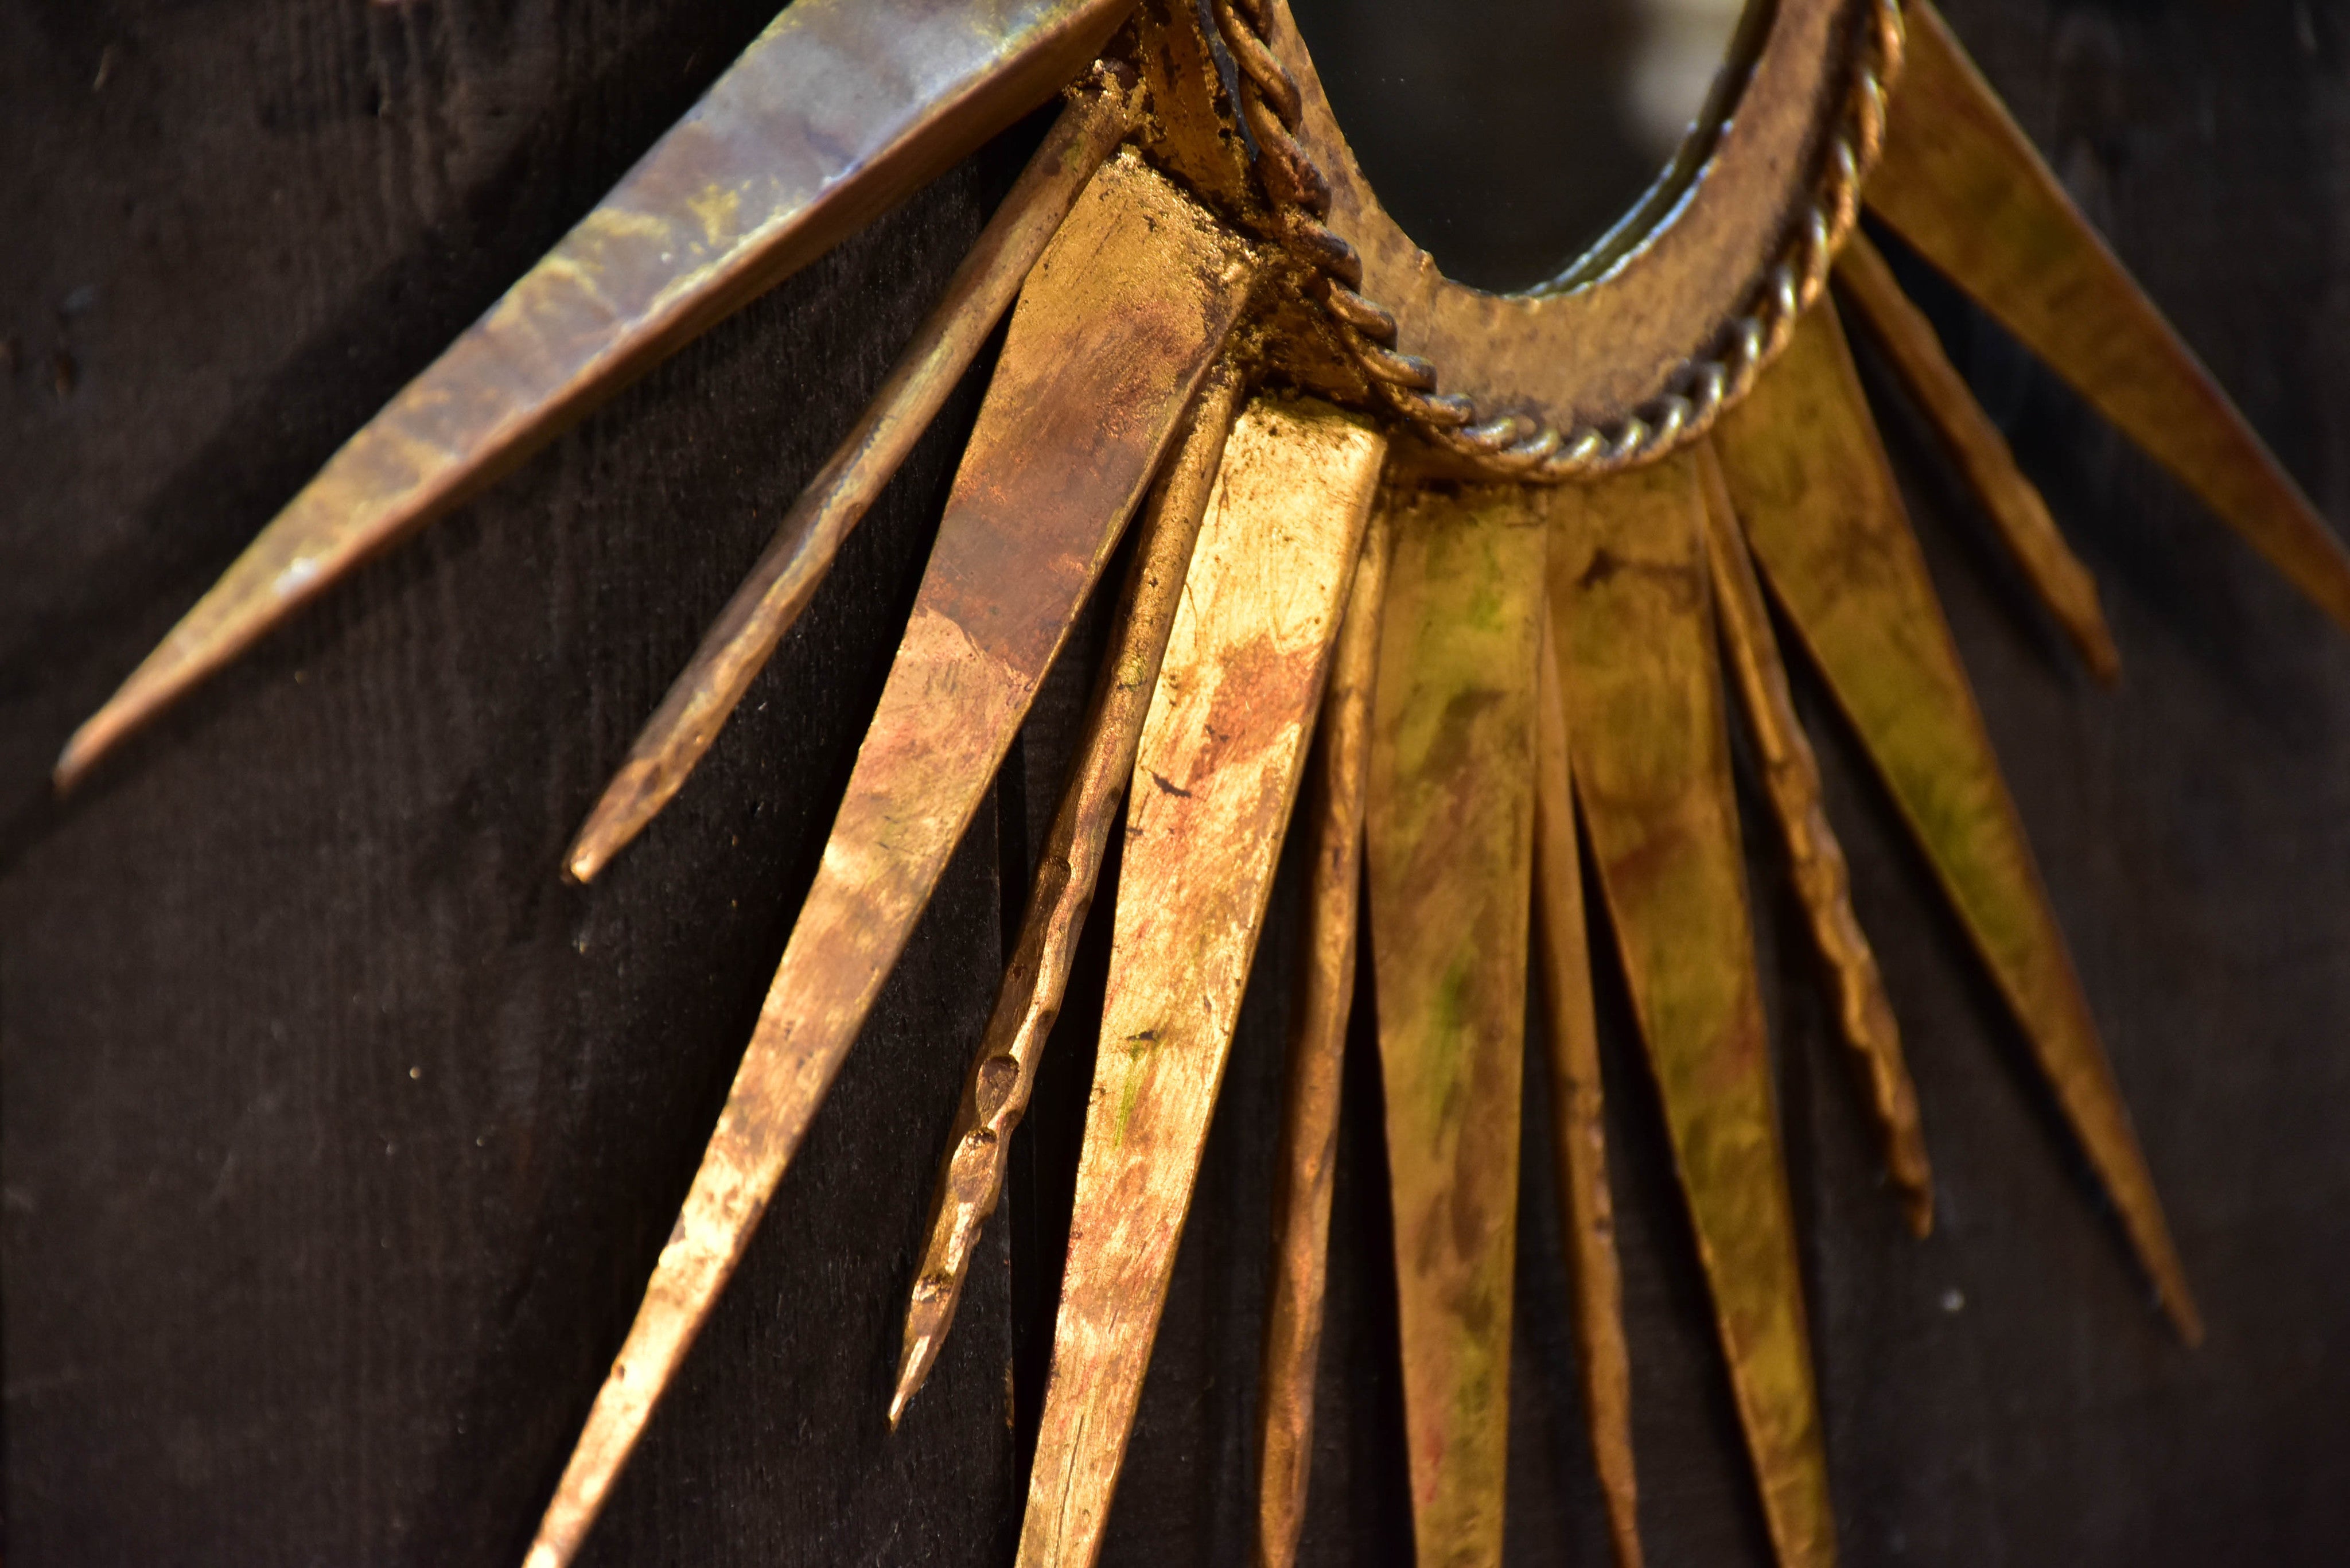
837 112
1003 1071
1578 1121
1307 1168
1791 777
787 572
1126 311
1974 443
1962 183
1449 843
1638 655
1215 779
1809 480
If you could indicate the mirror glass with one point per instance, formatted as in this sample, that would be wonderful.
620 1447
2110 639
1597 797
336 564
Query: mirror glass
1507 137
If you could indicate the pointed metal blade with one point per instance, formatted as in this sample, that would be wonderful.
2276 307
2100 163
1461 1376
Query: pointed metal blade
1638 655
1003 1072
1974 443
837 112
1809 481
1307 1170
1448 843
787 575
1578 1113
1791 777
1214 780
1961 182
1125 314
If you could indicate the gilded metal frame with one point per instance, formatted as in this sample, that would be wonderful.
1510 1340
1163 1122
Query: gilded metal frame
1639 347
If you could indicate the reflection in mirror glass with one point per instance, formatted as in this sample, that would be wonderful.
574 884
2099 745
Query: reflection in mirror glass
1507 136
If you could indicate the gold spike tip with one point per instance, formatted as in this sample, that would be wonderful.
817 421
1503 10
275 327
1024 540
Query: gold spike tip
1448 849
1651 765
2063 584
1128 309
1963 185
1004 1071
1578 1119
788 572
1215 776
1306 1166
1792 776
837 111
1809 480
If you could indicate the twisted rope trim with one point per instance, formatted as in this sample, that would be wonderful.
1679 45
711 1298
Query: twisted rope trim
1516 446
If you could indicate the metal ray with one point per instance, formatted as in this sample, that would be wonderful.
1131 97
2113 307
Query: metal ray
1448 845
1215 779
1974 443
835 112
1791 777
1003 1071
1308 1162
1962 184
1809 481
1126 311
1578 1119
785 576
1640 665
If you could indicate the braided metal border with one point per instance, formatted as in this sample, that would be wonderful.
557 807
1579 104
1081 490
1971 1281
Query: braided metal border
1516 446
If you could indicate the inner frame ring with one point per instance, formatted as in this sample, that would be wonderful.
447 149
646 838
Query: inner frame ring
1638 349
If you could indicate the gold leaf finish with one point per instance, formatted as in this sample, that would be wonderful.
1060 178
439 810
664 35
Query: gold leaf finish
1791 777
1450 849
1810 484
1126 311
1962 183
837 112
785 576
1578 1120
1215 779
1982 453
1308 1162
1003 1073
1652 758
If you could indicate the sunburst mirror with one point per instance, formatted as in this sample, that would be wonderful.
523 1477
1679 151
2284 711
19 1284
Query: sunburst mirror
1469 590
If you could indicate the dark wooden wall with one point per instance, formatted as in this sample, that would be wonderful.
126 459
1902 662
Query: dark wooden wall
337 1132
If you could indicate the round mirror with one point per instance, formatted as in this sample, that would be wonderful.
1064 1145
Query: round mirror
1507 137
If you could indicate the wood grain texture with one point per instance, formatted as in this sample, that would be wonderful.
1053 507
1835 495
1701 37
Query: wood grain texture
425 1114
217 968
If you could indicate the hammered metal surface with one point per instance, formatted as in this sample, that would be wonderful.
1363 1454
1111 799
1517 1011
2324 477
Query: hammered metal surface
1963 185
1790 777
1810 484
1127 310
1980 452
786 574
1450 850
1003 1071
1215 779
838 110
1306 1169
1578 1113
1634 625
